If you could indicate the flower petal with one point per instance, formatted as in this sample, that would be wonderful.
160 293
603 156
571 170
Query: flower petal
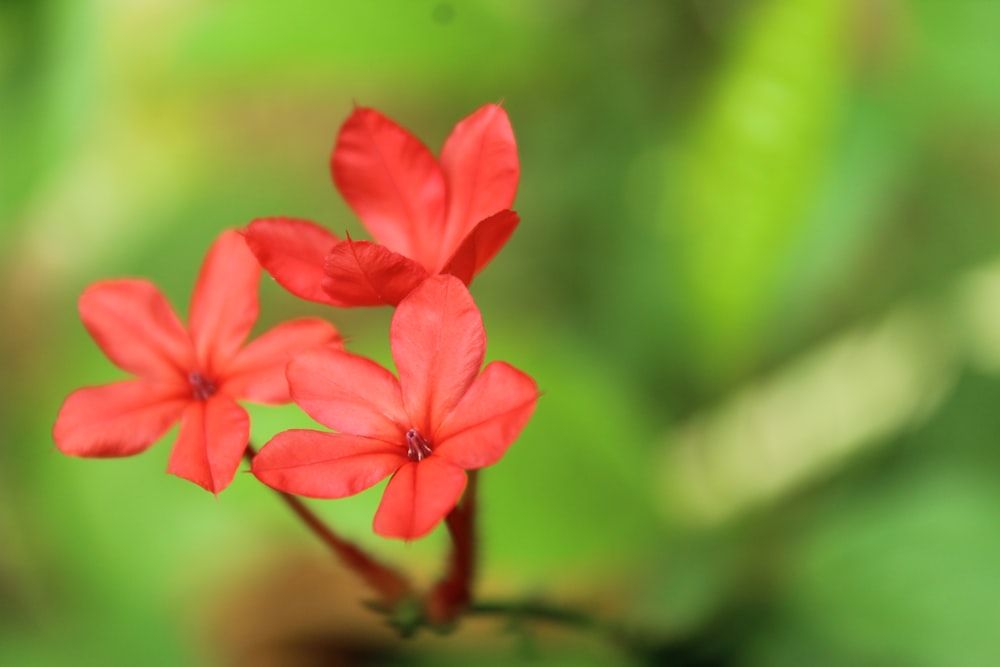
324 465
258 371
481 170
135 326
349 393
418 497
391 180
292 251
224 304
213 437
361 273
119 419
438 343
480 246
489 417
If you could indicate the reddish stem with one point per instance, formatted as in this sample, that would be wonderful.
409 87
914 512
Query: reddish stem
453 593
389 584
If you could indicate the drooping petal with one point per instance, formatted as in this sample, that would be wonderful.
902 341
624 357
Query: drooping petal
438 343
258 371
135 326
489 417
350 394
292 251
418 497
481 170
361 273
481 245
224 303
213 436
118 419
391 180
324 465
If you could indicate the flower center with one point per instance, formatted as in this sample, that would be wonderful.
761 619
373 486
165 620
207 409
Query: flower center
201 386
417 448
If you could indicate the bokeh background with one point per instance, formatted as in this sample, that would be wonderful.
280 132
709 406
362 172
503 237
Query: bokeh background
757 277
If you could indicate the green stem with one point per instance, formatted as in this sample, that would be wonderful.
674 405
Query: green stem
569 618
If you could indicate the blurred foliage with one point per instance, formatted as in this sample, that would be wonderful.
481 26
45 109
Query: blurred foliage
756 279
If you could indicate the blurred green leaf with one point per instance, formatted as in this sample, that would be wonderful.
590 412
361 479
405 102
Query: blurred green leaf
749 168
911 579
898 565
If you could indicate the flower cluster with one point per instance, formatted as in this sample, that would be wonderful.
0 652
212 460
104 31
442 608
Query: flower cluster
435 223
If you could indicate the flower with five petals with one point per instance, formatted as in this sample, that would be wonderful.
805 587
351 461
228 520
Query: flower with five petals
193 374
438 419
428 217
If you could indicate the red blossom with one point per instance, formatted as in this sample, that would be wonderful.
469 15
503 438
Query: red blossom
193 374
427 216
438 419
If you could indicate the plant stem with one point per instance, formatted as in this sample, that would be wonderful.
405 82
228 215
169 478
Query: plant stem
570 618
453 593
535 610
389 584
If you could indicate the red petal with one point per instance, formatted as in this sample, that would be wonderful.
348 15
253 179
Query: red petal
211 442
489 417
391 181
418 497
349 393
361 273
292 251
119 419
481 170
324 465
135 326
224 304
438 343
258 371
481 245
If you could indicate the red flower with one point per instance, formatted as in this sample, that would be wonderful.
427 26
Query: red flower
440 418
428 217
193 374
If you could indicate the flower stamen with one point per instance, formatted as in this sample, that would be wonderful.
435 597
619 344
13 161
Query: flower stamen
417 447
201 387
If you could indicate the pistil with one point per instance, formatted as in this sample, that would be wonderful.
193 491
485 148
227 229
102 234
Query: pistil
201 387
417 447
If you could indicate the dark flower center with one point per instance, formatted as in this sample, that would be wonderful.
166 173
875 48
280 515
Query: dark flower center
201 386
417 448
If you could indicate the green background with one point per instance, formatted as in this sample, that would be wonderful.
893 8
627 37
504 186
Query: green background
757 279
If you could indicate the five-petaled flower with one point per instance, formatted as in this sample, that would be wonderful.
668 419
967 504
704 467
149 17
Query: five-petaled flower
438 419
192 374
428 217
